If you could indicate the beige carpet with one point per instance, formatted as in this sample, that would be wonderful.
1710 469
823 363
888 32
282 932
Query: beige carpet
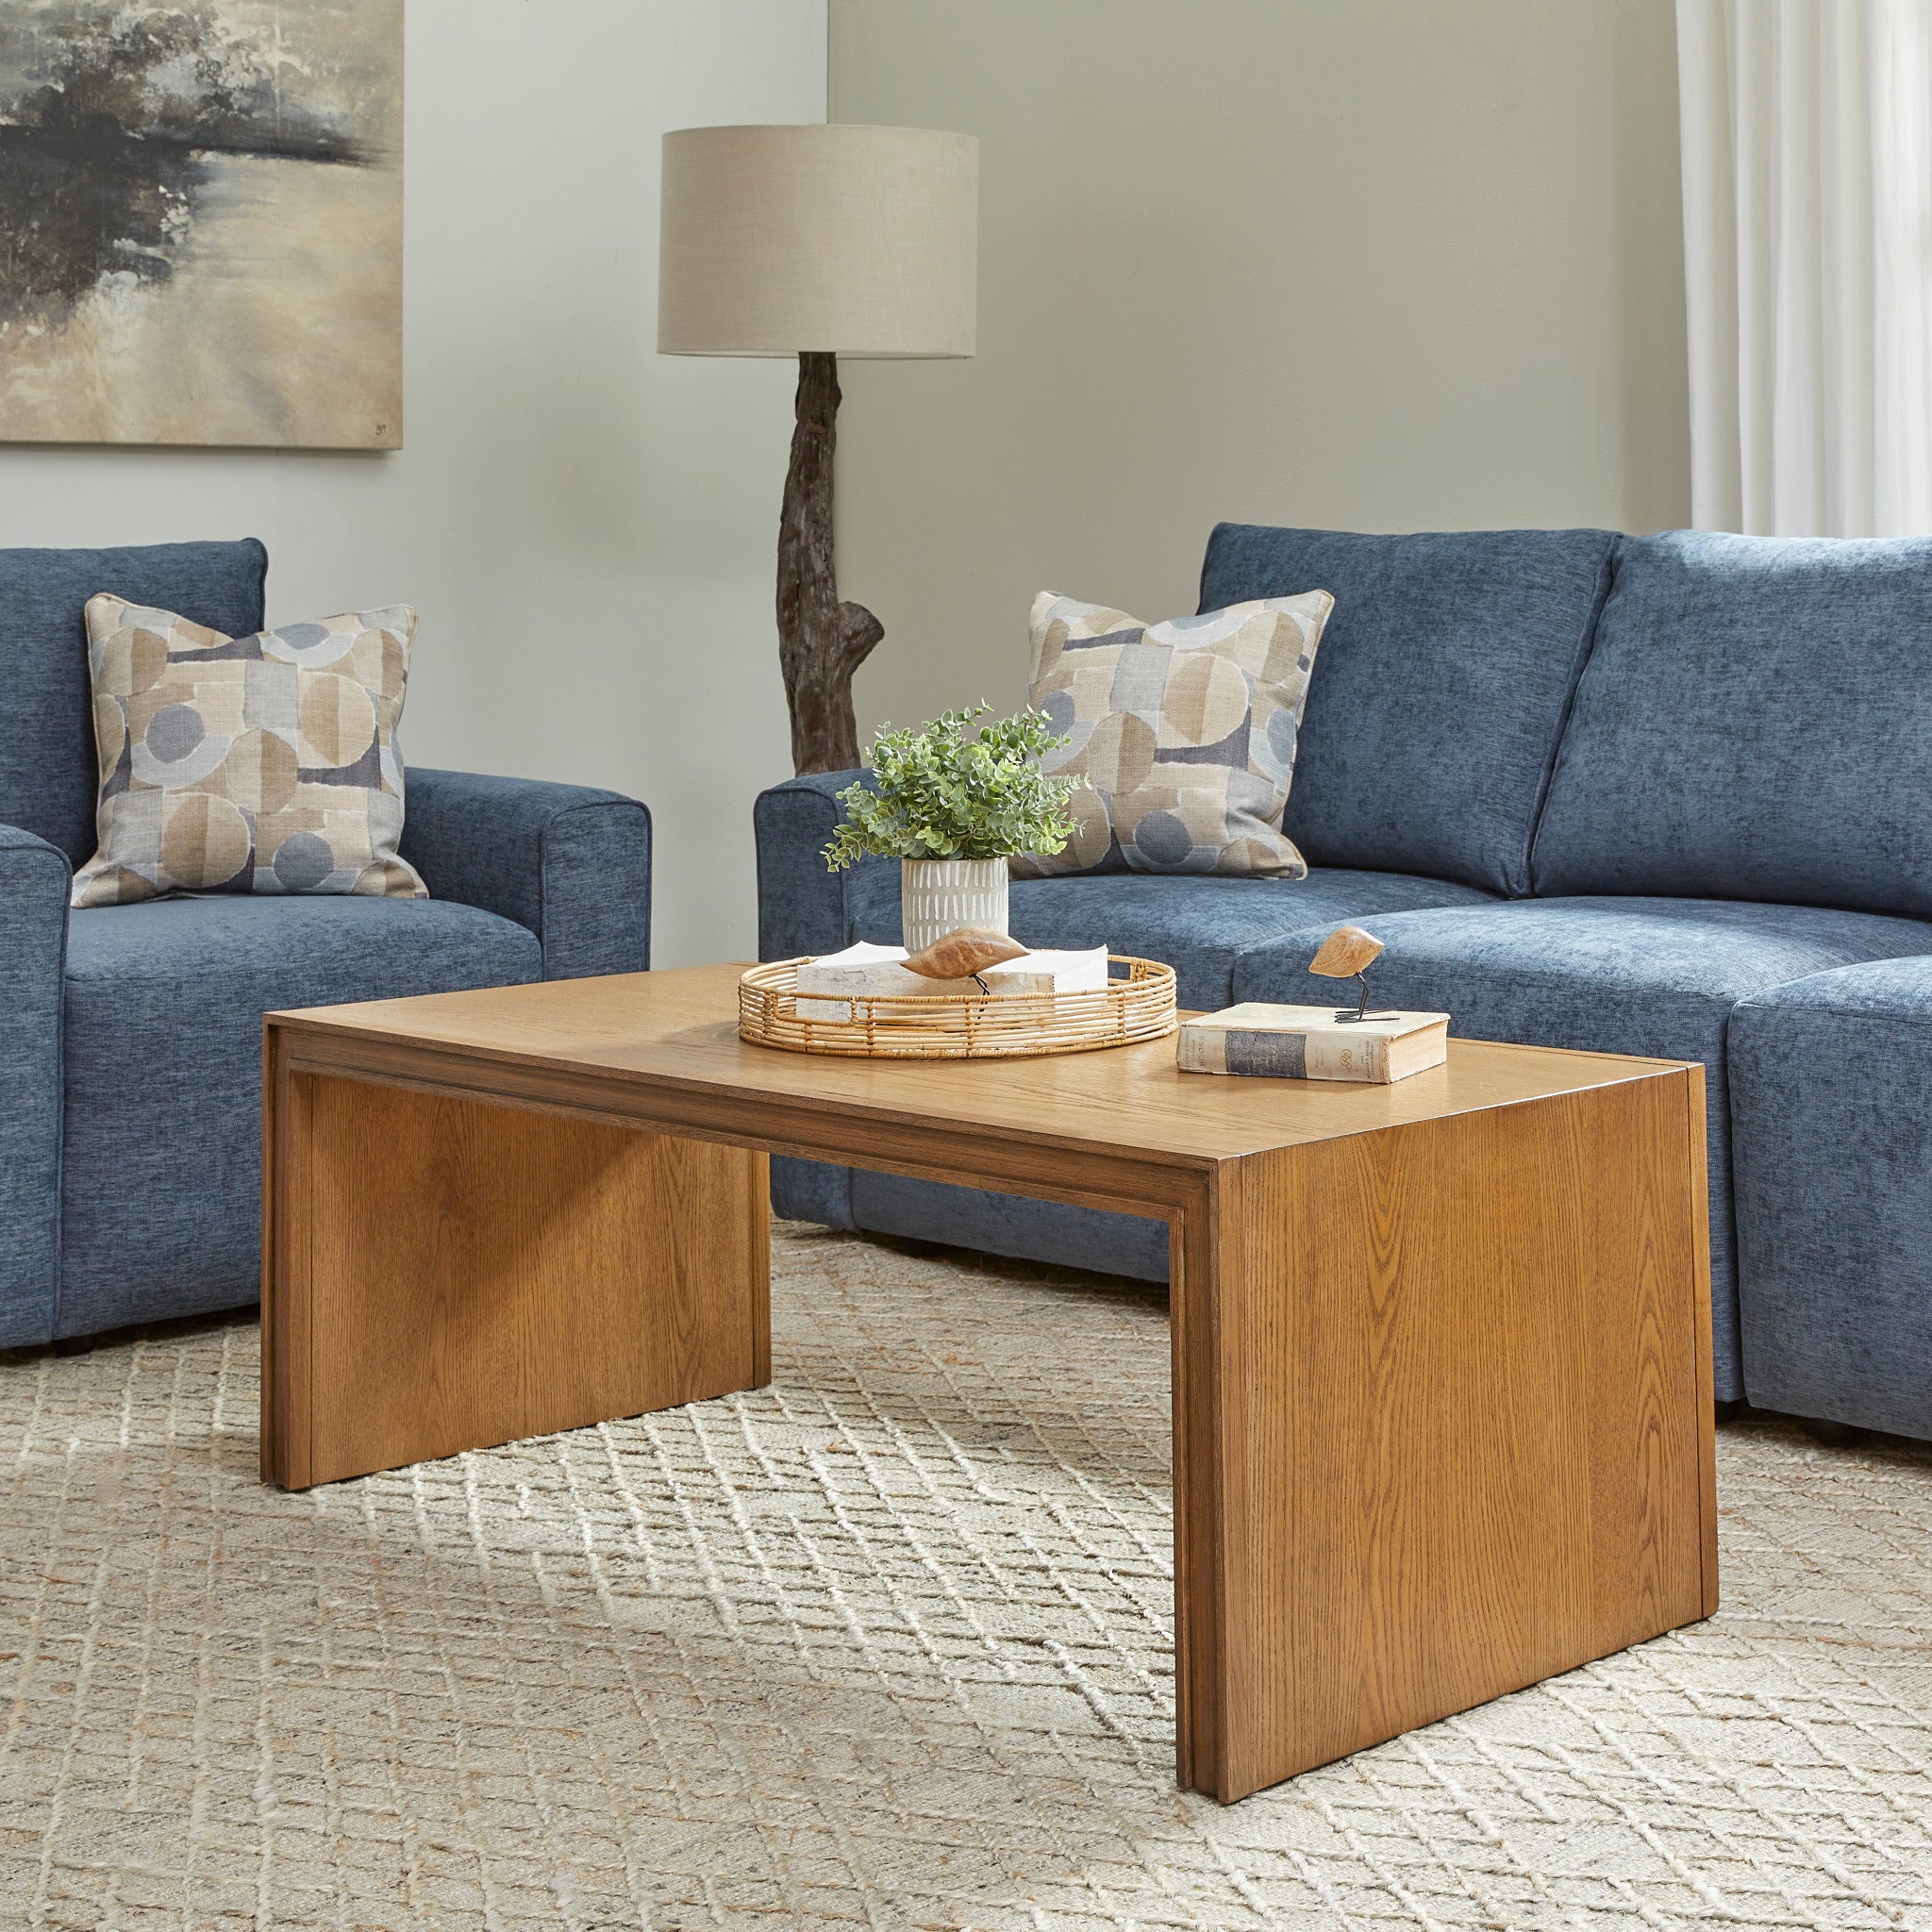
886 1645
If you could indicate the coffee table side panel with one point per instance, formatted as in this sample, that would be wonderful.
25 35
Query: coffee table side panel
1442 1486
285 1253
477 1274
1206 1272
758 1264
1697 1135
1650 1409
1409 1516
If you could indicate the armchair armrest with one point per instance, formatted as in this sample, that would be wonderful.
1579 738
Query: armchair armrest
35 880
801 907
571 864
805 909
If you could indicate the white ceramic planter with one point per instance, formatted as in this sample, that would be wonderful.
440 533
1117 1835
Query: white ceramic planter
938 895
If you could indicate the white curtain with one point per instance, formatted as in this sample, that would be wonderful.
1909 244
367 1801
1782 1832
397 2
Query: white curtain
1807 132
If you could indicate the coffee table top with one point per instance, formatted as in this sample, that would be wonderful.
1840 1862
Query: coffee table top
676 1032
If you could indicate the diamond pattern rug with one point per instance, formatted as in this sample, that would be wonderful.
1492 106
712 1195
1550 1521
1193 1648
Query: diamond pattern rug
887 1644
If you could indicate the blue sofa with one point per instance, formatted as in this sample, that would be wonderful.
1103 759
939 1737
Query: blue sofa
130 1036
1657 795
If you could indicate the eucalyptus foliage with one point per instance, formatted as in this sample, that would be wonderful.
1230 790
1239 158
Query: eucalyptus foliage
948 792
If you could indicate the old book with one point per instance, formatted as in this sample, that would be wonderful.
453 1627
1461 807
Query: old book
827 984
1312 1043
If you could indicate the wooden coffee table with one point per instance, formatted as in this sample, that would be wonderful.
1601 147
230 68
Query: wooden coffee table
1442 1414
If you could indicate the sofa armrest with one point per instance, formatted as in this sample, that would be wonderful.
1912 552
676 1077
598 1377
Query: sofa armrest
801 907
35 880
805 909
571 864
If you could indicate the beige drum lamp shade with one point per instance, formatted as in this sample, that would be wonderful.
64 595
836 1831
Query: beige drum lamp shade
818 242
780 241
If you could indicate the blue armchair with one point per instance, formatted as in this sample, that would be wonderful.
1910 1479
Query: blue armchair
130 1036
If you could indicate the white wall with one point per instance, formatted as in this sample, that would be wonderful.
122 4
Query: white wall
588 528
1379 264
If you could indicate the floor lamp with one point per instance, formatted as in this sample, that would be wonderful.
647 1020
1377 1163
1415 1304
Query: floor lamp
817 242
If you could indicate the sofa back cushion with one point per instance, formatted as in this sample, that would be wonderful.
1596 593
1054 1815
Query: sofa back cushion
47 777
1445 673
1755 722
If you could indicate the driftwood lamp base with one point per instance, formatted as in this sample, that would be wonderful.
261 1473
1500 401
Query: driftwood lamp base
821 641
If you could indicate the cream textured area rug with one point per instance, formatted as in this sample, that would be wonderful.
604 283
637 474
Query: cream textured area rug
886 1645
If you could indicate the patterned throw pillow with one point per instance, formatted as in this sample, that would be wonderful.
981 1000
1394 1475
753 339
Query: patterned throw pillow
1185 732
259 764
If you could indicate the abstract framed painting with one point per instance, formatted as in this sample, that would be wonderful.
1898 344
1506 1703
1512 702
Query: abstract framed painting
201 223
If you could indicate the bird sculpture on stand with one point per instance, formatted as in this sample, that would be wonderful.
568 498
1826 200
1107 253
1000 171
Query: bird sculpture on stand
1348 952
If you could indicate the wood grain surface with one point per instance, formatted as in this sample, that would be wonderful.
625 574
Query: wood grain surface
475 1273
1459 1427
1697 1135
1441 1349
611 1041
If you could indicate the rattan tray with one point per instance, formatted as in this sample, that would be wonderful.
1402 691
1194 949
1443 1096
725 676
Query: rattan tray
1136 1004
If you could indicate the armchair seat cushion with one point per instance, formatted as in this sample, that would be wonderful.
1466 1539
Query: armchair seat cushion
1201 926
160 1206
1610 975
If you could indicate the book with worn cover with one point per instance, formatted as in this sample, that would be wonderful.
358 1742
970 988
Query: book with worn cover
1312 1043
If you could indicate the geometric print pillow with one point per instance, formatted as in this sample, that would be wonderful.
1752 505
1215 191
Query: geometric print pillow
1184 731
258 764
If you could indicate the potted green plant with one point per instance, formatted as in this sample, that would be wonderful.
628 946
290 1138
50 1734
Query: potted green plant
953 803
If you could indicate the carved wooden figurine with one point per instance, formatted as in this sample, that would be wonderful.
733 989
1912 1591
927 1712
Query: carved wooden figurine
1348 952
963 952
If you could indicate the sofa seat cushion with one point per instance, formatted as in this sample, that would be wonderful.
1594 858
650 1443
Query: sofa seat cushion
1201 926
1440 693
1611 976
161 1173
1755 722
1831 1124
